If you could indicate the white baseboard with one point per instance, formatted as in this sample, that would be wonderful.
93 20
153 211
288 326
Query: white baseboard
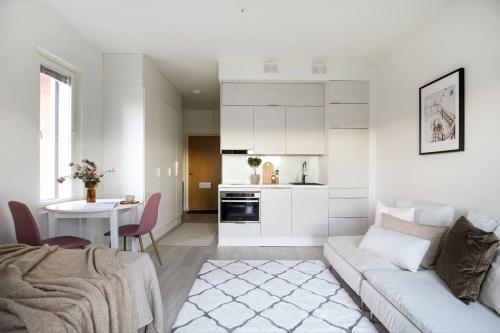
271 241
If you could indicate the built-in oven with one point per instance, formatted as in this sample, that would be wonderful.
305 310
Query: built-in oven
239 207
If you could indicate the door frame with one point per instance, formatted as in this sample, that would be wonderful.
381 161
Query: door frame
186 167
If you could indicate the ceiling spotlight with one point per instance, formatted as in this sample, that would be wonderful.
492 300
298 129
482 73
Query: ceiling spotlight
196 91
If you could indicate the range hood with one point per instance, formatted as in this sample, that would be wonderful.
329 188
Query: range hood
237 151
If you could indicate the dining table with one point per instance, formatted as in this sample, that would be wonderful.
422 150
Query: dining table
109 209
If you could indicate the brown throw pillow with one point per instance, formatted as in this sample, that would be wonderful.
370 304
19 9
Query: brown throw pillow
433 234
465 259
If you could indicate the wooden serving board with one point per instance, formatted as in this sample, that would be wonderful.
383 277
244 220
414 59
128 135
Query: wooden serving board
267 173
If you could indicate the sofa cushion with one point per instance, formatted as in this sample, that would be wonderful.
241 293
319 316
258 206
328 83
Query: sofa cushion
347 248
433 234
465 259
427 213
490 290
407 213
426 300
401 249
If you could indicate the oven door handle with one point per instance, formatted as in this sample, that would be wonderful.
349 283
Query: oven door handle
239 200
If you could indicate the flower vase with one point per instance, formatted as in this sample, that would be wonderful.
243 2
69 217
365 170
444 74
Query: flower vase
91 191
254 179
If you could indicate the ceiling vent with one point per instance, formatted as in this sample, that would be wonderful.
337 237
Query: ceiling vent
318 68
270 68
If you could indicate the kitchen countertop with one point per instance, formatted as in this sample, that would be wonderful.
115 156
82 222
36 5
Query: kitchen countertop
270 186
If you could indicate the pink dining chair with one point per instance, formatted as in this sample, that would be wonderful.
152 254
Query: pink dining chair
147 223
27 230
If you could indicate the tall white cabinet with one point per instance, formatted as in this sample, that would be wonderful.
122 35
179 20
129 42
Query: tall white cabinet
347 121
142 135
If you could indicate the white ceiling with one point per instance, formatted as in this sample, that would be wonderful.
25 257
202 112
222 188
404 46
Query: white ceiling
186 38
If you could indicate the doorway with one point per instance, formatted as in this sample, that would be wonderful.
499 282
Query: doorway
204 173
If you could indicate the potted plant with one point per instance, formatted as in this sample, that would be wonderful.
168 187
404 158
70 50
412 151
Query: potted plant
87 172
254 162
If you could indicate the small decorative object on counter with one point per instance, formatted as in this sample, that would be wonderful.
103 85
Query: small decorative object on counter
254 163
267 173
273 178
277 176
87 172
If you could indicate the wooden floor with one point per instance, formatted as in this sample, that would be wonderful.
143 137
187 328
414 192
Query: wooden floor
181 265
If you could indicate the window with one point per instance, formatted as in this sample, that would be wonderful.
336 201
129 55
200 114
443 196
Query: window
56 110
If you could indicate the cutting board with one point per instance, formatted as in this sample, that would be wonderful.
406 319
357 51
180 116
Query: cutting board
267 172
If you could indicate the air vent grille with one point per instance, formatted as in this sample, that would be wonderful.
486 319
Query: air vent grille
318 68
270 68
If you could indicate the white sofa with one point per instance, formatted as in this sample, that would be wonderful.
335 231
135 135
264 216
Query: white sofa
404 301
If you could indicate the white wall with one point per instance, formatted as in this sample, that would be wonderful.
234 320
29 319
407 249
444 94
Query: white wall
26 26
466 34
201 122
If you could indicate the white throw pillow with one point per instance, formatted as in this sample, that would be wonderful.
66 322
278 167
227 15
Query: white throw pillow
406 214
483 222
490 289
427 213
402 250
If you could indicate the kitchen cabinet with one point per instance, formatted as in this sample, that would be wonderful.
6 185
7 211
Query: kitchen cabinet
347 116
304 130
348 158
269 130
348 92
309 212
236 127
239 229
276 212
297 94
348 207
343 226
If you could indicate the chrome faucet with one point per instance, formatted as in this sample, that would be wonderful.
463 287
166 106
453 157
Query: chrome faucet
304 172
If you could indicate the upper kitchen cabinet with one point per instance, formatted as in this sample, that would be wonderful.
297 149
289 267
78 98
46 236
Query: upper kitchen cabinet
345 92
293 94
347 116
304 130
236 128
269 130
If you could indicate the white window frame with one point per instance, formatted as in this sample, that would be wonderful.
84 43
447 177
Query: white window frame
61 66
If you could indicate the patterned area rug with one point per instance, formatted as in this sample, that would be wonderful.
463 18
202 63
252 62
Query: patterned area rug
269 296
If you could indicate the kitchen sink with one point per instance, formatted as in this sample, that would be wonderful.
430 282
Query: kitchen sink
306 184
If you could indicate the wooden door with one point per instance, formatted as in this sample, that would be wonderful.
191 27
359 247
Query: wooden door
204 163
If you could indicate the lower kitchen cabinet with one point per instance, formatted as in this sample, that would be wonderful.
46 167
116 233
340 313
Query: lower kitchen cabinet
309 212
276 212
239 229
344 226
348 207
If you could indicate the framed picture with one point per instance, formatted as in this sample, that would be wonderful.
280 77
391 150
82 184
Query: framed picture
442 114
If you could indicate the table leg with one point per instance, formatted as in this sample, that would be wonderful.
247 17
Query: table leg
113 228
51 224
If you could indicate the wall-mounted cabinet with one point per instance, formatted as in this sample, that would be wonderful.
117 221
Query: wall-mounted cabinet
236 127
269 130
345 92
296 94
304 130
295 126
347 116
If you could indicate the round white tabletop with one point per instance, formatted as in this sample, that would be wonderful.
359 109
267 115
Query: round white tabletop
81 206
103 208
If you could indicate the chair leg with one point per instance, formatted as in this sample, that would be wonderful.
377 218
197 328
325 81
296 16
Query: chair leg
140 243
154 245
124 243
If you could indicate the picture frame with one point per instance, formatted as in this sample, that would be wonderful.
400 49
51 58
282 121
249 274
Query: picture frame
442 114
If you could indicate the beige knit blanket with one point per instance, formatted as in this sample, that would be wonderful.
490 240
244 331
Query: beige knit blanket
49 289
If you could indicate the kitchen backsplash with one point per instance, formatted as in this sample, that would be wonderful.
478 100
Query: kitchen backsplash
235 169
